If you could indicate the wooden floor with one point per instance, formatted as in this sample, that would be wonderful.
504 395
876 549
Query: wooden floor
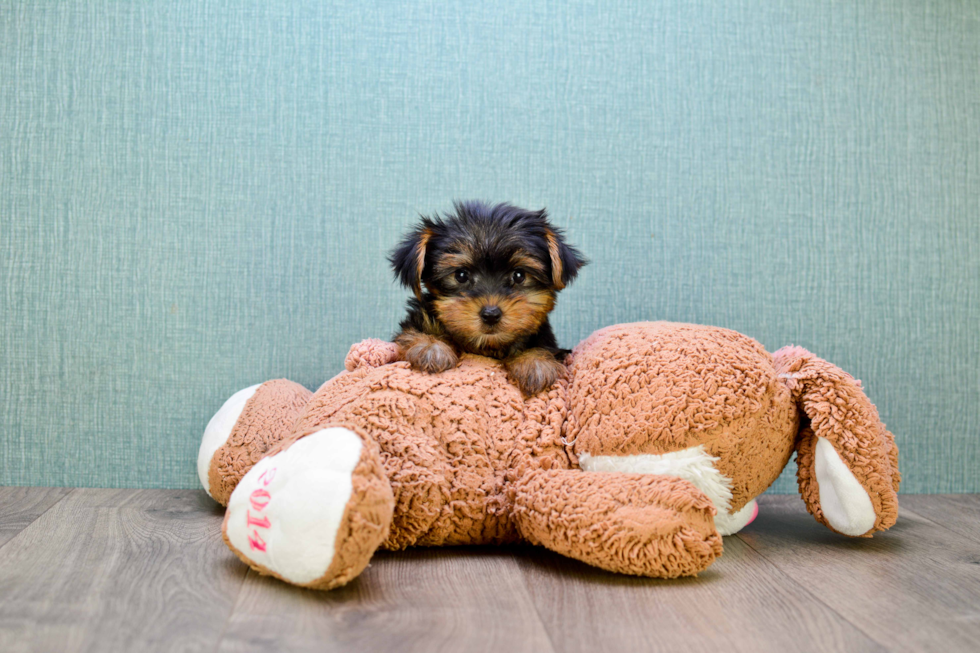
146 570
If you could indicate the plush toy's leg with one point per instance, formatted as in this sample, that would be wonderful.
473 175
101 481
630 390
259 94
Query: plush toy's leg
694 464
246 427
640 524
847 460
313 512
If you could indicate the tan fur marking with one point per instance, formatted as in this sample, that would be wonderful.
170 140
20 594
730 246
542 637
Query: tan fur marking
454 261
461 315
523 314
524 260
420 261
556 267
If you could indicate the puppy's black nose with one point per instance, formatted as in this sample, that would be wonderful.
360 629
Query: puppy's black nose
491 315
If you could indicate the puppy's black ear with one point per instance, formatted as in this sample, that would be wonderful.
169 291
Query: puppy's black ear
408 258
565 259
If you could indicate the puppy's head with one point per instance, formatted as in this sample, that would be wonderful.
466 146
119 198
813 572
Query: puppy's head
493 270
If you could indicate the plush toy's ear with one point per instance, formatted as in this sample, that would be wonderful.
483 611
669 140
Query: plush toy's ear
408 258
847 460
565 259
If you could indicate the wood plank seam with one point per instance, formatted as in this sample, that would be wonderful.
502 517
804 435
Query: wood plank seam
537 610
933 521
70 492
811 594
231 613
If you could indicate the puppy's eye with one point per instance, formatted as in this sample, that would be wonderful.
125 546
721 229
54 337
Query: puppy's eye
462 276
518 277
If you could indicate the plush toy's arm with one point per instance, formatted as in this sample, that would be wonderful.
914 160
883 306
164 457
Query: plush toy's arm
372 353
640 524
847 460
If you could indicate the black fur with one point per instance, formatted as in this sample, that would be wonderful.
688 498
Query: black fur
492 234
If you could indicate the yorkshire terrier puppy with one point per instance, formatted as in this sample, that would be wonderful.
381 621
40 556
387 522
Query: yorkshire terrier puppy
485 278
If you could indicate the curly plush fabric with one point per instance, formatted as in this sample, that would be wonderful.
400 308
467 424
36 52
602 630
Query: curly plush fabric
370 353
449 444
638 524
270 412
363 526
676 421
656 387
840 412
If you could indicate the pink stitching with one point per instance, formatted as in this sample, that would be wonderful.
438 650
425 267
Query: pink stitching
255 540
256 497
261 523
271 472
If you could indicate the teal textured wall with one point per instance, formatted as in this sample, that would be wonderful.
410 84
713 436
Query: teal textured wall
198 196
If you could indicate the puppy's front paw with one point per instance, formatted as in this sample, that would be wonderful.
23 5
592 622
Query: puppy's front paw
534 370
434 357
425 352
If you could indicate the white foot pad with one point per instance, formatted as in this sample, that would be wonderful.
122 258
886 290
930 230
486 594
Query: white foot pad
729 524
843 500
285 513
219 430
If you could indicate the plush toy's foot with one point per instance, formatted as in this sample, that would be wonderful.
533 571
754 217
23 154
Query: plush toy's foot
314 512
247 426
729 524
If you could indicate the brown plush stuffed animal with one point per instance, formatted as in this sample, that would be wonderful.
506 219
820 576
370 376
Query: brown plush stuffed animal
654 445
